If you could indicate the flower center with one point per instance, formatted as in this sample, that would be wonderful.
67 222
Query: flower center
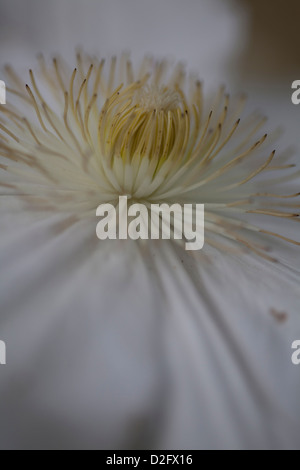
144 121
153 97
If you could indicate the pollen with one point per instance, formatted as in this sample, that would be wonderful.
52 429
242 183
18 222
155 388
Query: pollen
161 98
145 121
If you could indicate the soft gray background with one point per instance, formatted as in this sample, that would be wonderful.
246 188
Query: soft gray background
249 46
205 33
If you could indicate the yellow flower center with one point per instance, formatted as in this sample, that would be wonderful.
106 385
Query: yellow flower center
144 121
152 97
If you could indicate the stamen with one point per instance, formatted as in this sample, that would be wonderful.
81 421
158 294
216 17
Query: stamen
148 138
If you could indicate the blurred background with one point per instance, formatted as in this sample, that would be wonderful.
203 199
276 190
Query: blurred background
204 33
250 45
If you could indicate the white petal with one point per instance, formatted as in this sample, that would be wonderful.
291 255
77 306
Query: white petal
100 356
229 362
82 327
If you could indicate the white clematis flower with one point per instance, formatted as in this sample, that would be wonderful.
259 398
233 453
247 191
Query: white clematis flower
126 344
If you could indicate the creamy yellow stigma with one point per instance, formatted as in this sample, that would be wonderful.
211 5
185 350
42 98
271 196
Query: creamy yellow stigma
143 121
153 97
